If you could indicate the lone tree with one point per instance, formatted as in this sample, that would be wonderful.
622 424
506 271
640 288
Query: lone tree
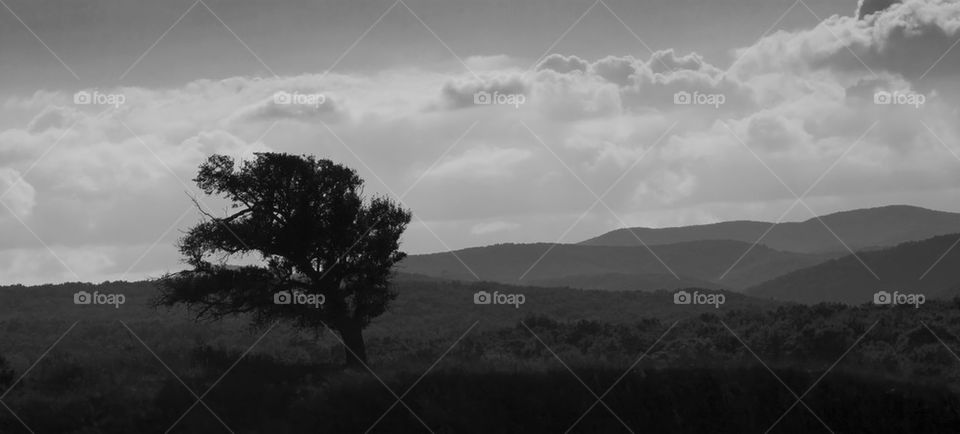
317 240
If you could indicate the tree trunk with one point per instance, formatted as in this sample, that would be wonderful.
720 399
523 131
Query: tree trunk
354 349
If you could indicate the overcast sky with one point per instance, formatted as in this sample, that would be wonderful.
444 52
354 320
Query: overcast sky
781 92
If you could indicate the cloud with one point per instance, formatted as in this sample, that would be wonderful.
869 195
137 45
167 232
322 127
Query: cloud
618 70
223 142
285 105
667 60
569 88
17 195
52 117
562 64
912 38
482 163
775 132
461 93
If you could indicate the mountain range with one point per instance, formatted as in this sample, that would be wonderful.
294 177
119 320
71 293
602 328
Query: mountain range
930 267
795 261
688 264
859 229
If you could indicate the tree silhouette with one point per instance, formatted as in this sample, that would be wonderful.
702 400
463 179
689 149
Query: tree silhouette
314 237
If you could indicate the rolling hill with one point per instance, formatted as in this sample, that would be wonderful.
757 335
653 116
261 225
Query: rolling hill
899 268
699 263
624 282
859 229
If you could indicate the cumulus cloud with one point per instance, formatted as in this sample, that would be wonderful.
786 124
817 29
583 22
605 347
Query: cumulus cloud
563 64
617 70
569 88
912 38
461 93
668 60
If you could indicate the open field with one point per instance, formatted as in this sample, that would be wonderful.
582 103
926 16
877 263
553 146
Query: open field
484 368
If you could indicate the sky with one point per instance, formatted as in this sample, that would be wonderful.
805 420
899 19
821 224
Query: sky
603 114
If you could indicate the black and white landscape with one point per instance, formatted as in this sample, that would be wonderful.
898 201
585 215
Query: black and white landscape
462 216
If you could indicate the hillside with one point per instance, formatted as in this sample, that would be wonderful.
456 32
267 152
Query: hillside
847 280
582 266
624 282
859 229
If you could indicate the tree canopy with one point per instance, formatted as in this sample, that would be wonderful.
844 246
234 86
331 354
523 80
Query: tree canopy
313 236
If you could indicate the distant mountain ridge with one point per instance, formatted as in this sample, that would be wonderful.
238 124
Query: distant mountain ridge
696 263
798 261
905 268
859 229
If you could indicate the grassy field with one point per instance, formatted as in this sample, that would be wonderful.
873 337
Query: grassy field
490 368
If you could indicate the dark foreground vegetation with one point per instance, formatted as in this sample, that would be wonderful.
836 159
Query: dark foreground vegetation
264 396
699 370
